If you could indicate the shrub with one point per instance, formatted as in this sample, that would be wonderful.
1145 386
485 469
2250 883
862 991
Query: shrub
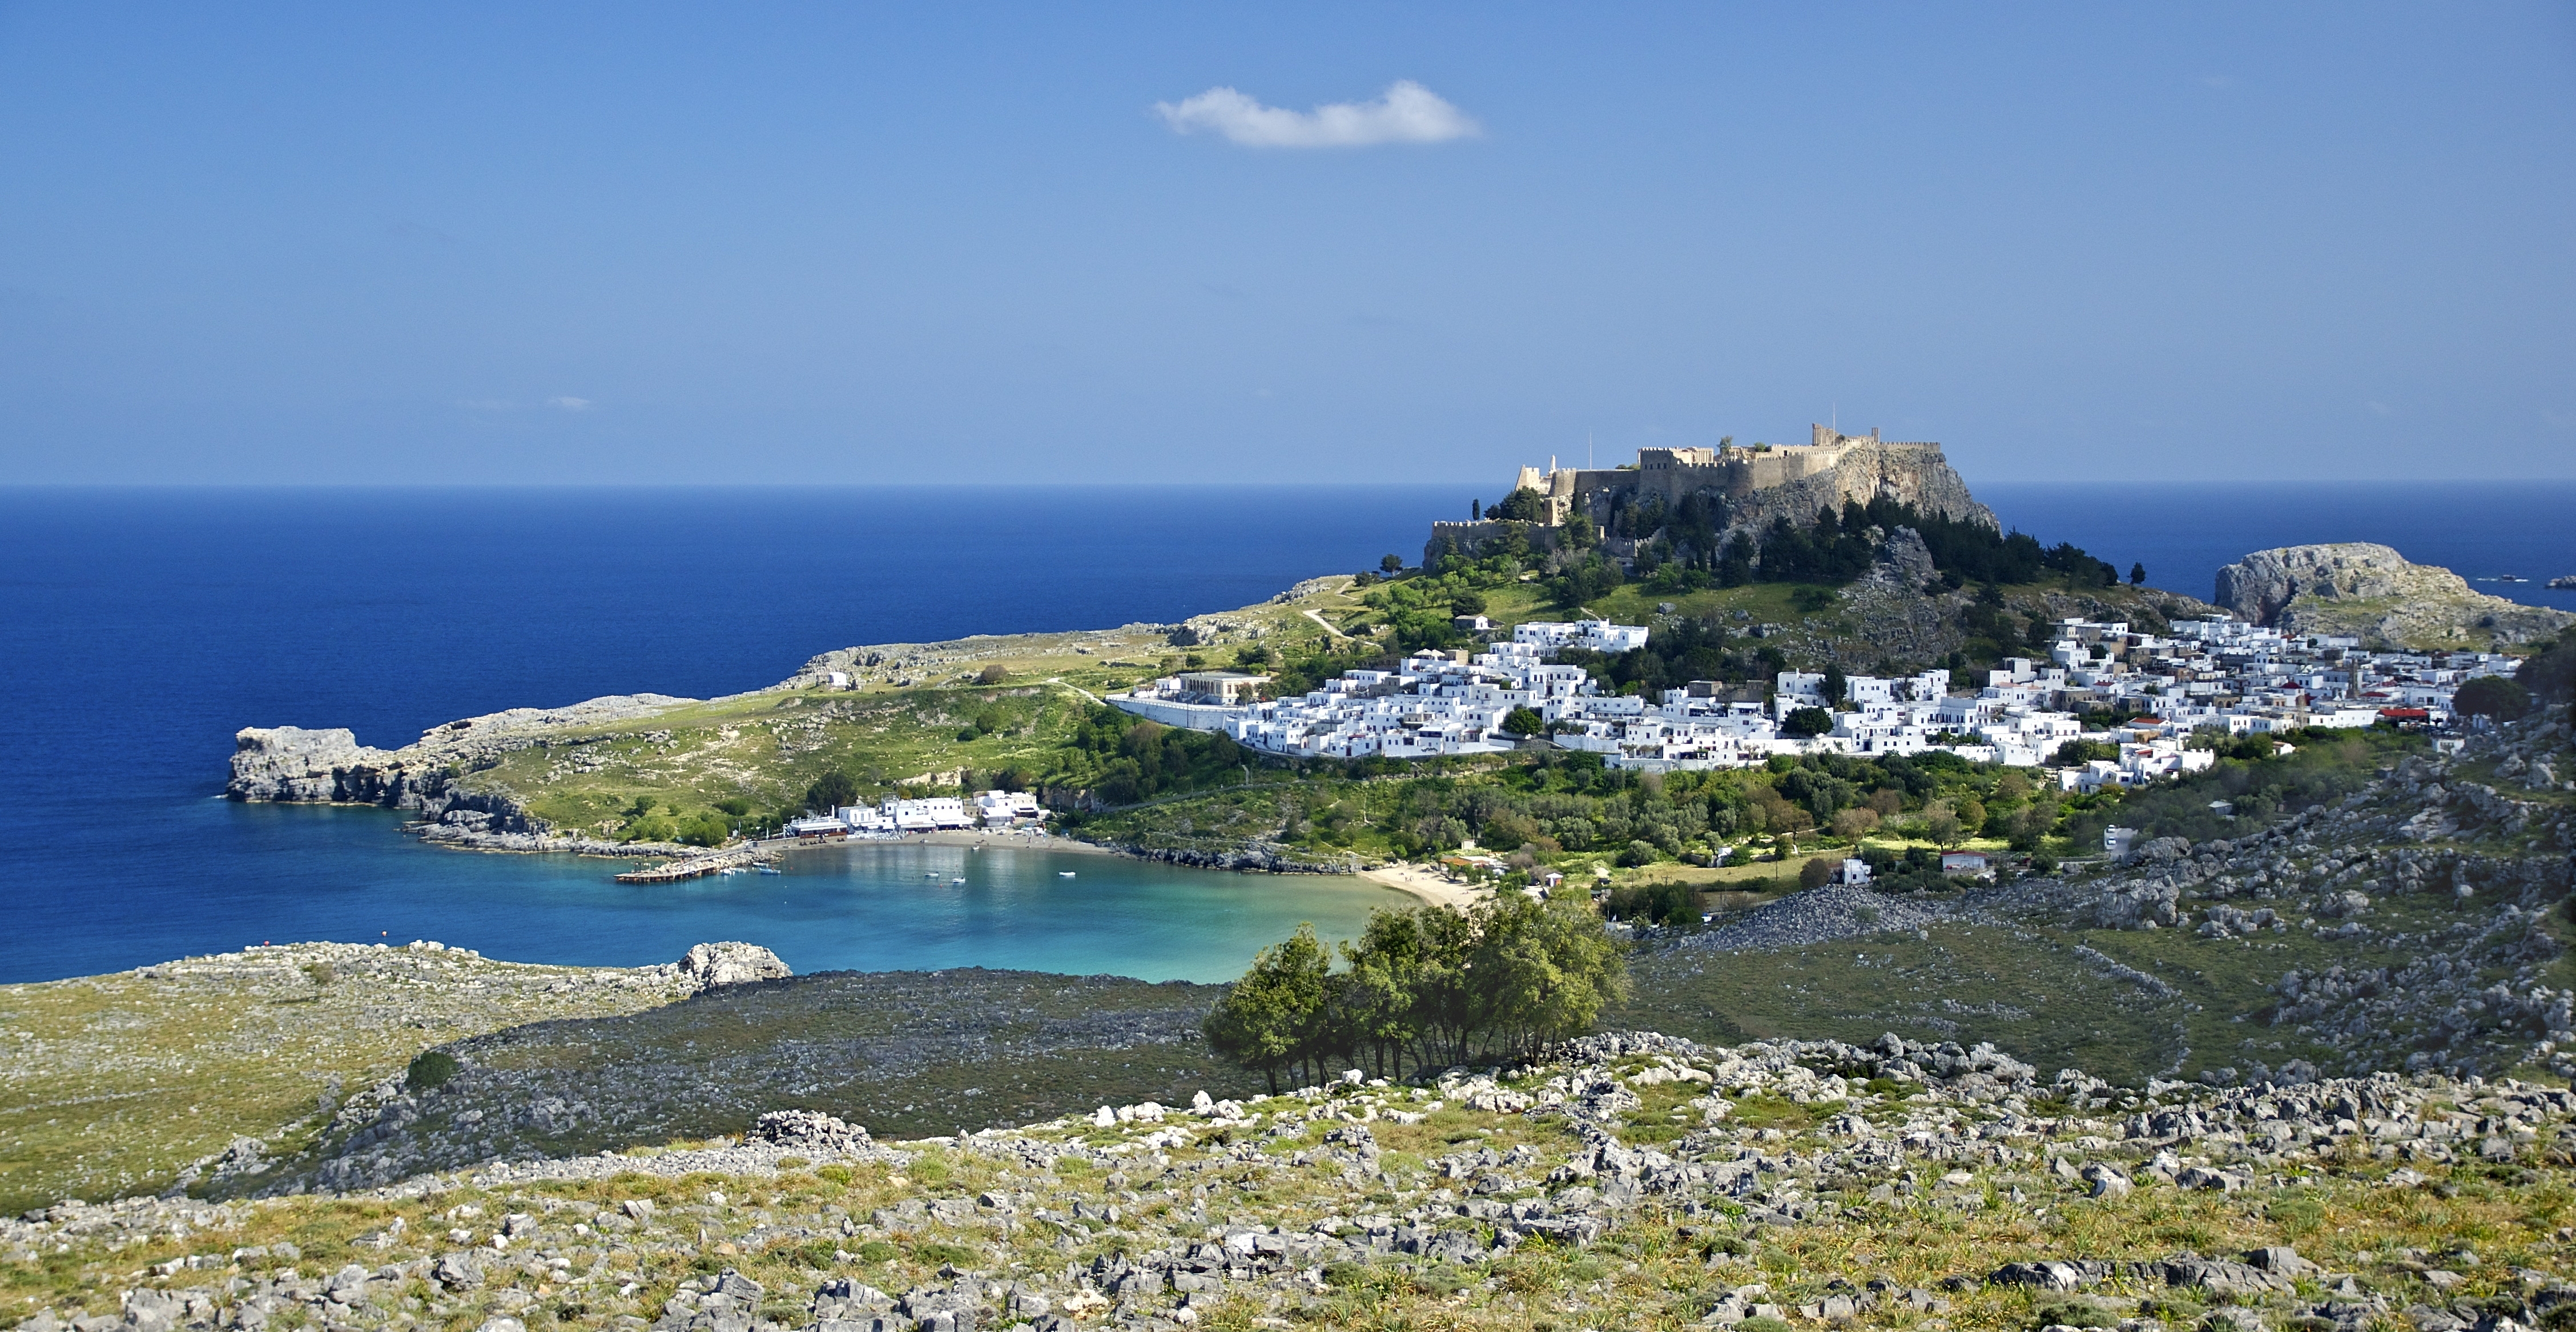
992 675
1856 822
1817 873
2550 674
709 829
2492 696
431 1068
1440 1279
831 791
2083 751
1659 903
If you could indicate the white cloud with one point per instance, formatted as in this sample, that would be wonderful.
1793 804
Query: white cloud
562 403
1406 113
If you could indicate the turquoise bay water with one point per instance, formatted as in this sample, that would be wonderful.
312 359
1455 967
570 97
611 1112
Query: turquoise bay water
1116 916
306 872
349 874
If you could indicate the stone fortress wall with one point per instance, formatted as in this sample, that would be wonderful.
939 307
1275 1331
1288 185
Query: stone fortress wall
1758 482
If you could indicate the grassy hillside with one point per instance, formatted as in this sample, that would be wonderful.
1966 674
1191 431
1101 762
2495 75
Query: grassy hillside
114 1083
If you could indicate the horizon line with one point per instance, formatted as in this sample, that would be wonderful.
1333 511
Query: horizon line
497 487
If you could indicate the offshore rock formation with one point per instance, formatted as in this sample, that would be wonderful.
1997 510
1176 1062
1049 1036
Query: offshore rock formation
2369 590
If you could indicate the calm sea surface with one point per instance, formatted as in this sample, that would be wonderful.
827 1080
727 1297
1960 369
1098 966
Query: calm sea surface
139 629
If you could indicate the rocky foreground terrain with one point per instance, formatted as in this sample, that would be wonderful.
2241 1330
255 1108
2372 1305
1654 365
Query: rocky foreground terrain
1622 1181
2417 920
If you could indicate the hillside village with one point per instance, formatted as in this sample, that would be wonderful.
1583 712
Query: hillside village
2220 675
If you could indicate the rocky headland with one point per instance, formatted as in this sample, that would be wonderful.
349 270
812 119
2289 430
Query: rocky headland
2372 592
479 782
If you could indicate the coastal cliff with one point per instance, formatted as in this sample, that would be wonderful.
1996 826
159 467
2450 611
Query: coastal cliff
432 775
1914 475
2372 592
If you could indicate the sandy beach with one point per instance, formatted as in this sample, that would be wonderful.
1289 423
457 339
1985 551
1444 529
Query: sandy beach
1428 884
1030 841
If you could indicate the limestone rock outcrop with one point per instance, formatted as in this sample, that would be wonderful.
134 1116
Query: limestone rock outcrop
291 763
2369 590
709 965
1903 563
1916 475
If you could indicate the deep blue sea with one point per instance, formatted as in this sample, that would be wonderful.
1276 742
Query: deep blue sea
140 628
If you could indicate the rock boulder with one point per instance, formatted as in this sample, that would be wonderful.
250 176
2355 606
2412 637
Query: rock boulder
709 965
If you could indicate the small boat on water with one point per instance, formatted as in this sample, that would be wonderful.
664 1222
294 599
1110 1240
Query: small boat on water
1064 874
2563 581
769 869
730 869
959 879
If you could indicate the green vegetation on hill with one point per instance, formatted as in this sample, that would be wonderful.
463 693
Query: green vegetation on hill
1687 547
1567 810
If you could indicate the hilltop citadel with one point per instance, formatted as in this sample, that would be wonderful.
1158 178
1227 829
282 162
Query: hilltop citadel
1745 487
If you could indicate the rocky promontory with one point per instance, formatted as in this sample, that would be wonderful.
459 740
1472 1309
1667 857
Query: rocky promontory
329 766
2371 591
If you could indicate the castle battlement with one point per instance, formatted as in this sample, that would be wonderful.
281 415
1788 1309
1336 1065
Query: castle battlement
1758 482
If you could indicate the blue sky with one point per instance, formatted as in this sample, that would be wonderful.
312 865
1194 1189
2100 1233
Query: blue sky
571 243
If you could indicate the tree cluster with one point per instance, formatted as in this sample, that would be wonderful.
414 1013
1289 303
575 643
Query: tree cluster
1526 506
1691 547
1422 989
1121 759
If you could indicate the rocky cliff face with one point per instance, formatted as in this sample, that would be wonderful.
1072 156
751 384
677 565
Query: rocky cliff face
1919 477
290 763
2357 587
